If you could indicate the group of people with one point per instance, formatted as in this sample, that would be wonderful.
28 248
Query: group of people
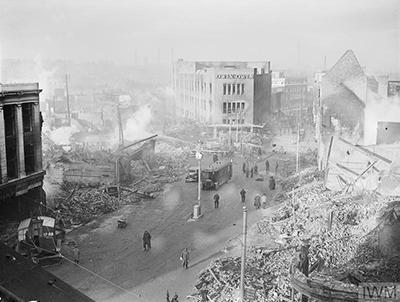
184 257
249 171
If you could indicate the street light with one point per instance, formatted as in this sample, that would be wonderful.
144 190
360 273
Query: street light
199 156
243 265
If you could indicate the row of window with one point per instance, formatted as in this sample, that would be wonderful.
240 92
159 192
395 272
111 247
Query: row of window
232 107
232 121
232 89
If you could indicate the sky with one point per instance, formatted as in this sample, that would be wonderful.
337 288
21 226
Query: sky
289 33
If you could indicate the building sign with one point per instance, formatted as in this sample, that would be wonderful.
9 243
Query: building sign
234 76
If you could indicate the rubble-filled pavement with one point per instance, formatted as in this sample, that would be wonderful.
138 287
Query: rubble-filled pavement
341 230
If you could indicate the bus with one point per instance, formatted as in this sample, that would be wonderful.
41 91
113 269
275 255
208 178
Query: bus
216 175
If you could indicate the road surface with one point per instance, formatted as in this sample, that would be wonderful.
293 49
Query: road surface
117 254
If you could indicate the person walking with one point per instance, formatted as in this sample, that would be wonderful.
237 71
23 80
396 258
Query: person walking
243 195
175 298
244 168
271 183
216 200
255 169
267 166
77 254
257 201
146 241
251 172
185 258
264 201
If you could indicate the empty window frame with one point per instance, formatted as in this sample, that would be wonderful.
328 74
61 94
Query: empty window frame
242 92
233 88
27 117
224 89
238 89
224 107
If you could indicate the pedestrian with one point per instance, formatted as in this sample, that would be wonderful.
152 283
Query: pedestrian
271 183
185 258
215 157
251 172
77 254
247 172
168 300
264 201
175 298
257 201
276 167
243 195
267 166
255 169
244 168
146 241
216 200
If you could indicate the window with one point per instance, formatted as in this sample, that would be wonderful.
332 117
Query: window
238 88
210 88
229 89
224 89
229 107
224 107
224 121
242 92
242 105
27 117
233 88
9 120
233 106
29 158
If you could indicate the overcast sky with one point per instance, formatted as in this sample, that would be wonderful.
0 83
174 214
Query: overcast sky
290 33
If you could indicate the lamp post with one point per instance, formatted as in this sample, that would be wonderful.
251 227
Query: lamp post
243 265
199 157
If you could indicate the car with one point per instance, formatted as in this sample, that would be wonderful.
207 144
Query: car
192 175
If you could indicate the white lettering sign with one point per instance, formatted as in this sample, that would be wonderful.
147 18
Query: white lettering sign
234 76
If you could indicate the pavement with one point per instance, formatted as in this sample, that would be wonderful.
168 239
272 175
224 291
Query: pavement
119 268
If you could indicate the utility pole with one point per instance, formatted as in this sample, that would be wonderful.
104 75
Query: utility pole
121 131
318 125
67 94
230 124
199 156
117 172
243 254
237 127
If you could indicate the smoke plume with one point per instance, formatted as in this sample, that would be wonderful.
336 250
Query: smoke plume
379 109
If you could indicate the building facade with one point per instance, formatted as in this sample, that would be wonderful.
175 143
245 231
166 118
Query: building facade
222 92
21 169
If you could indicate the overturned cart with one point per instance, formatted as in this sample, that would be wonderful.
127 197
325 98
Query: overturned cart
40 238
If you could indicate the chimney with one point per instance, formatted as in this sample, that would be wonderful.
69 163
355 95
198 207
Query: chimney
269 66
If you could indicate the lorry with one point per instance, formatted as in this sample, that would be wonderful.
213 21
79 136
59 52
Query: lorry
216 175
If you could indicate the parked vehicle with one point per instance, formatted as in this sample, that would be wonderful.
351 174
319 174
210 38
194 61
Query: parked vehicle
216 175
40 238
193 175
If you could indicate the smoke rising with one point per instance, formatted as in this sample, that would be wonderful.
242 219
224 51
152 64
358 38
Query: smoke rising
137 126
379 109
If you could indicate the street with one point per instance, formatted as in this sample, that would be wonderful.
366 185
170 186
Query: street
117 254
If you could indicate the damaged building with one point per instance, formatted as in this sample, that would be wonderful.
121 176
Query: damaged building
20 148
344 92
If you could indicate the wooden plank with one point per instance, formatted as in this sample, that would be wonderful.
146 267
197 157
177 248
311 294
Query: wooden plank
327 162
366 151
346 169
